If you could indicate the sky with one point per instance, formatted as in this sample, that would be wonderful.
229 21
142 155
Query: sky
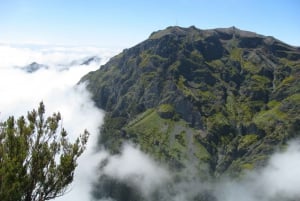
124 23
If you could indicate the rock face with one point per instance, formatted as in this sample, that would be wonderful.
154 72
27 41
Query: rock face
221 99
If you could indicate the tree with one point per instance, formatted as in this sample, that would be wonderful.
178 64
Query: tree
37 161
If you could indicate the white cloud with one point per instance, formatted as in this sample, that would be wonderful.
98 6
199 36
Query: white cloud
137 168
20 55
279 180
282 175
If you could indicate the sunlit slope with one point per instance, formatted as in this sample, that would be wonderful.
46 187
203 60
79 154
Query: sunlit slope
221 100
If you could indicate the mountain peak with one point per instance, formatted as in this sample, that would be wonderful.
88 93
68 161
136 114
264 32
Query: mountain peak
227 38
236 31
219 98
33 67
172 30
181 31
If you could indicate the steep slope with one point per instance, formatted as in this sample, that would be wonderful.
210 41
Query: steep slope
220 100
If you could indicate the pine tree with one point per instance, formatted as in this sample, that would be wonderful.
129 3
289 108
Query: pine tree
37 161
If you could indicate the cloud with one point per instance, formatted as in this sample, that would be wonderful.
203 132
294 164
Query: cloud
279 180
287 166
136 168
21 92
21 55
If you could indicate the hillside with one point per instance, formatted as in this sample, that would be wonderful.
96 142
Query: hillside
220 100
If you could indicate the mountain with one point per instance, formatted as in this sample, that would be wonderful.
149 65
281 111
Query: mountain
90 60
85 61
220 100
33 67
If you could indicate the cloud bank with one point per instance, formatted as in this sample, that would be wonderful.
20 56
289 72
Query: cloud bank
278 180
137 168
14 55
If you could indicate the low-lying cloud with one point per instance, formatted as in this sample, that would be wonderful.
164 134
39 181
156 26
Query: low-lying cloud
137 168
278 180
14 55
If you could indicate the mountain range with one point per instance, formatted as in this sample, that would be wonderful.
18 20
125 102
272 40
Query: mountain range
34 66
219 100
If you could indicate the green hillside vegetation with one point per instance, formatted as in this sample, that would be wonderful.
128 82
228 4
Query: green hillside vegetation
221 100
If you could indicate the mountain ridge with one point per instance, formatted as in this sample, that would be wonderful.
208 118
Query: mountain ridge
35 66
221 99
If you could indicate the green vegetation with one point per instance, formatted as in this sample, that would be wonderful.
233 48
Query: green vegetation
166 139
236 54
204 98
36 160
246 141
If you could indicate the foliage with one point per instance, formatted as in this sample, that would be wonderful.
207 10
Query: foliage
37 161
246 141
172 142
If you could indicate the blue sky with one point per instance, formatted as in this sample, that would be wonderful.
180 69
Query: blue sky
124 23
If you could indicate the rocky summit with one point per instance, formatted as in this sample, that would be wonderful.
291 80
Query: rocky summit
220 100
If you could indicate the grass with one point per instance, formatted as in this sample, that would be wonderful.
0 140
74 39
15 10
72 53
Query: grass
247 166
236 54
165 108
250 67
247 140
166 139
